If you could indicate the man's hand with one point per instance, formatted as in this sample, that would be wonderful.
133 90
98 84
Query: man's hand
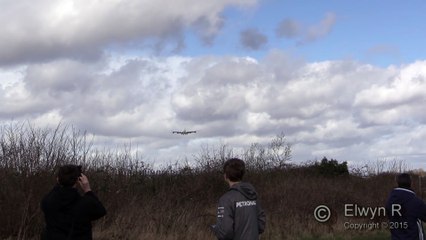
84 183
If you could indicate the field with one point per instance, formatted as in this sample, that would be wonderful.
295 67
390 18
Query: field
179 201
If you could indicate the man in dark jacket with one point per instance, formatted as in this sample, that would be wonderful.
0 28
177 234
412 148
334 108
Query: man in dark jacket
239 214
405 211
68 215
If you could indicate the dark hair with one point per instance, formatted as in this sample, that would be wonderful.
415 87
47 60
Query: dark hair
68 175
234 169
404 180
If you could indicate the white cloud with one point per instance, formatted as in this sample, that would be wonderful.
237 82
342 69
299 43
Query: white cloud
404 142
400 100
80 29
344 109
407 87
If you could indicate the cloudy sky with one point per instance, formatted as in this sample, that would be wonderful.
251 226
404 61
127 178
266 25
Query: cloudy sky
342 79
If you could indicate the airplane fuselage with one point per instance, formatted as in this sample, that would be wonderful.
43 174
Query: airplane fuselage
184 132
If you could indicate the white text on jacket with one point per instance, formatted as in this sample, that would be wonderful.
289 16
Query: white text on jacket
245 204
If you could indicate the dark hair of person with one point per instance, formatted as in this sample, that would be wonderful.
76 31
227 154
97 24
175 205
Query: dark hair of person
68 175
404 180
234 169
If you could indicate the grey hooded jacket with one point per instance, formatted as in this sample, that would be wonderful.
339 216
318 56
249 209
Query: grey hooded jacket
239 214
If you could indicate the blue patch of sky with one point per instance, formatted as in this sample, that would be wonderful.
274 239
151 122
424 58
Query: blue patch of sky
375 31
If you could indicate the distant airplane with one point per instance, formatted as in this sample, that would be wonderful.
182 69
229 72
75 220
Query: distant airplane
184 132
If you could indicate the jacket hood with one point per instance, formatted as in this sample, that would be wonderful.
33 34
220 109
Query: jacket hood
246 189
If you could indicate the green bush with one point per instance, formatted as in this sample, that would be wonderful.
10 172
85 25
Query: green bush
331 167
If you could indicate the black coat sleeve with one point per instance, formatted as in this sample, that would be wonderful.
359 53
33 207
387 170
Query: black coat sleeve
93 207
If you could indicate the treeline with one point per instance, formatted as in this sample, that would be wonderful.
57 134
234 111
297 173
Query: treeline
177 201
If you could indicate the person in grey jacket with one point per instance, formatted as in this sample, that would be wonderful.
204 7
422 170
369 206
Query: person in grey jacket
239 214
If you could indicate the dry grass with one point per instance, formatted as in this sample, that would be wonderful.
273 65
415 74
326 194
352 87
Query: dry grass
178 202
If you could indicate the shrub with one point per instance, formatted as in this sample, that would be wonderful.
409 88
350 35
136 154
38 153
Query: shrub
332 167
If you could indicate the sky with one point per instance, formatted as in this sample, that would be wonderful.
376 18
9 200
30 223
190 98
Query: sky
341 79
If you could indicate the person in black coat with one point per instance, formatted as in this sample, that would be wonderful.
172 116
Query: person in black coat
68 214
405 211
